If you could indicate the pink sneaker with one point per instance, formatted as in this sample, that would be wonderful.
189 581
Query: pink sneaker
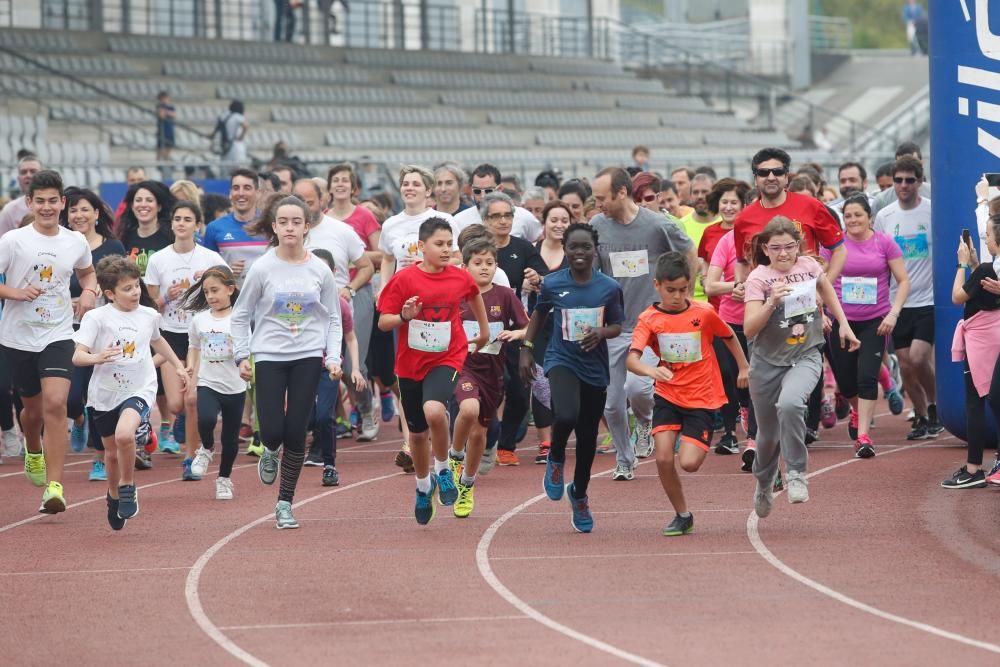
994 476
745 419
829 415
863 448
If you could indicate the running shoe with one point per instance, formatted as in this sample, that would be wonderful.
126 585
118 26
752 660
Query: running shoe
643 440
607 445
13 444
623 473
552 482
388 408
283 517
330 476
489 460
344 429
78 435
542 456
187 474
98 473
934 427
180 434
582 519
267 466
963 479
34 468
505 457
919 431
745 420
202 458
895 400
369 429
812 435
143 461
763 499
223 488
852 424
166 439
128 501
994 477
455 466
146 438
727 445
52 499
749 454
426 505
798 487
779 484
314 459
828 416
911 415
115 521
355 418
447 493
840 405
466 501
897 376
246 432
681 525
255 448
864 448
404 461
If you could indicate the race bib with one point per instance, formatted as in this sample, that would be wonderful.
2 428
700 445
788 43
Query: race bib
472 330
47 310
429 336
802 299
294 310
915 246
859 291
216 347
679 347
578 322
631 264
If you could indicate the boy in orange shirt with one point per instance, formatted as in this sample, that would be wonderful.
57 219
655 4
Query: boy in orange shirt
688 381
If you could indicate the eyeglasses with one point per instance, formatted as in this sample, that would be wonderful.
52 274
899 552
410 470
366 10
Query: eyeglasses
909 180
482 191
777 249
763 172
496 217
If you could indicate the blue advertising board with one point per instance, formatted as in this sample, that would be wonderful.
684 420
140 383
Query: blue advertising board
965 144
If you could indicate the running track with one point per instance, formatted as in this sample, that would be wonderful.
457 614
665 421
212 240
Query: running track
880 567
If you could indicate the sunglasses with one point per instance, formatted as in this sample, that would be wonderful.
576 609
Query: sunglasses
651 197
909 180
482 191
762 172
496 217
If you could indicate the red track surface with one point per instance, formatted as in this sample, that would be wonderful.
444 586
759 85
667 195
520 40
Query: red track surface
362 583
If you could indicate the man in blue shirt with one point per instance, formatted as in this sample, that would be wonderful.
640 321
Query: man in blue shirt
227 235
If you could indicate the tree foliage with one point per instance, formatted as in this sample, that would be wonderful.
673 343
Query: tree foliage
876 24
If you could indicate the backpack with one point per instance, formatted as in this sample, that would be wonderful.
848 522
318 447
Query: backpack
225 141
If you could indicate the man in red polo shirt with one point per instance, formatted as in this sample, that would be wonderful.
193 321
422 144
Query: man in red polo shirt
818 226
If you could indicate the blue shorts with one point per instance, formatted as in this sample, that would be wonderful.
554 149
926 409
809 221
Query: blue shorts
107 421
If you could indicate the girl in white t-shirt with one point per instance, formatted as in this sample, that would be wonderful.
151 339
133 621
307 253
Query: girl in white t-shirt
212 365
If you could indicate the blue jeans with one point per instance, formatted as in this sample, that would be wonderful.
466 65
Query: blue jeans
324 433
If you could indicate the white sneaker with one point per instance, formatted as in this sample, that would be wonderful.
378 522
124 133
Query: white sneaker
797 487
623 472
643 440
369 428
763 499
223 488
12 443
201 460
489 461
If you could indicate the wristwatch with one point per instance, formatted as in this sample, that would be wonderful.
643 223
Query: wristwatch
353 292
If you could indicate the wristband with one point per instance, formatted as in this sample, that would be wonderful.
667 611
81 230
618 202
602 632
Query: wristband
403 317
92 291
528 344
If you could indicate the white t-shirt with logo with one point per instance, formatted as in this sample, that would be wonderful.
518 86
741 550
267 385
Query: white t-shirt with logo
132 373
401 232
213 338
28 257
169 268
912 232
341 241
525 226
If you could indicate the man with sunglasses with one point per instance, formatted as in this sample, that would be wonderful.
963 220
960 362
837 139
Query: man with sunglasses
818 226
908 221
888 193
486 179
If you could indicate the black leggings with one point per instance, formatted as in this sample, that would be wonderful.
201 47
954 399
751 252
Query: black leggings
577 406
210 404
515 405
729 371
857 372
284 421
542 415
744 394
975 413
10 402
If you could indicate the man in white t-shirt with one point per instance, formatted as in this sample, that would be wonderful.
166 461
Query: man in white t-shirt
13 213
36 331
486 179
234 124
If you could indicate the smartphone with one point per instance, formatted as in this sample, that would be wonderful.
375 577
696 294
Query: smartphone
993 180
967 237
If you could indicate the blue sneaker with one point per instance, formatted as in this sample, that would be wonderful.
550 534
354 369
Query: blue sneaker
355 418
166 440
553 480
426 507
388 409
78 435
97 472
583 520
447 491
895 400
188 475
179 429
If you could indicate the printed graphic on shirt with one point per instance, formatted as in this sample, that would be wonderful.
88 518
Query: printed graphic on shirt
915 246
680 347
294 309
47 308
629 264
216 347
123 373
578 322
406 252
859 290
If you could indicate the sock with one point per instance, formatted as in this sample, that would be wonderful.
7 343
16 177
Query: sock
439 466
424 484
885 379
291 466
465 480
684 515
455 454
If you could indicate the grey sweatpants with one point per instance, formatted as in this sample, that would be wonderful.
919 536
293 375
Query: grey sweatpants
363 306
626 389
780 395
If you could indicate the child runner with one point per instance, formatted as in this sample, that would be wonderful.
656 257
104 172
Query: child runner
290 296
210 359
785 325
587 309
36 331
431 352
480 384
116 338
682 332
169 274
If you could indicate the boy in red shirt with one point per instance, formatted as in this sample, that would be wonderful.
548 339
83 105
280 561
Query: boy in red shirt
688 380
480 384
431 351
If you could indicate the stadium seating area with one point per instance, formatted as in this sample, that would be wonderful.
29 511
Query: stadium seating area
331 104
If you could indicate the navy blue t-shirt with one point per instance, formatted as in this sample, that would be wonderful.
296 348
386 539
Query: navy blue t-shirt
573 308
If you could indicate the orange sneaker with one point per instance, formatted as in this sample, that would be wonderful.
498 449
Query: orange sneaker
507 458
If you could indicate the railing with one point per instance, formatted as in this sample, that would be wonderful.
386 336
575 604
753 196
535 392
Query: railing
908 121
830 33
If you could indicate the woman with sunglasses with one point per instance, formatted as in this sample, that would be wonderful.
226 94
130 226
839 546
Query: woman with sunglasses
863 289
784 320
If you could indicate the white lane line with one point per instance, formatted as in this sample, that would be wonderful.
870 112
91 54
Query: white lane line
193 598
118 571
387 621
486 571
20 464
665 554
766 554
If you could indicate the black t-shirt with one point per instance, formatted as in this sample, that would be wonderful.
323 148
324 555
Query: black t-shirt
109 247
542 341
980 299
517 256
141 248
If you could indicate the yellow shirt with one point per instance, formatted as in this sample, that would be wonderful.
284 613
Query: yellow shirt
694 229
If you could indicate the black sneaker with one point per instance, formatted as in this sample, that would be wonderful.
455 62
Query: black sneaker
919 431
680 526
811 436
934 427
749 454
330 476
116 522
727 445
963 479
315 458
143 461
